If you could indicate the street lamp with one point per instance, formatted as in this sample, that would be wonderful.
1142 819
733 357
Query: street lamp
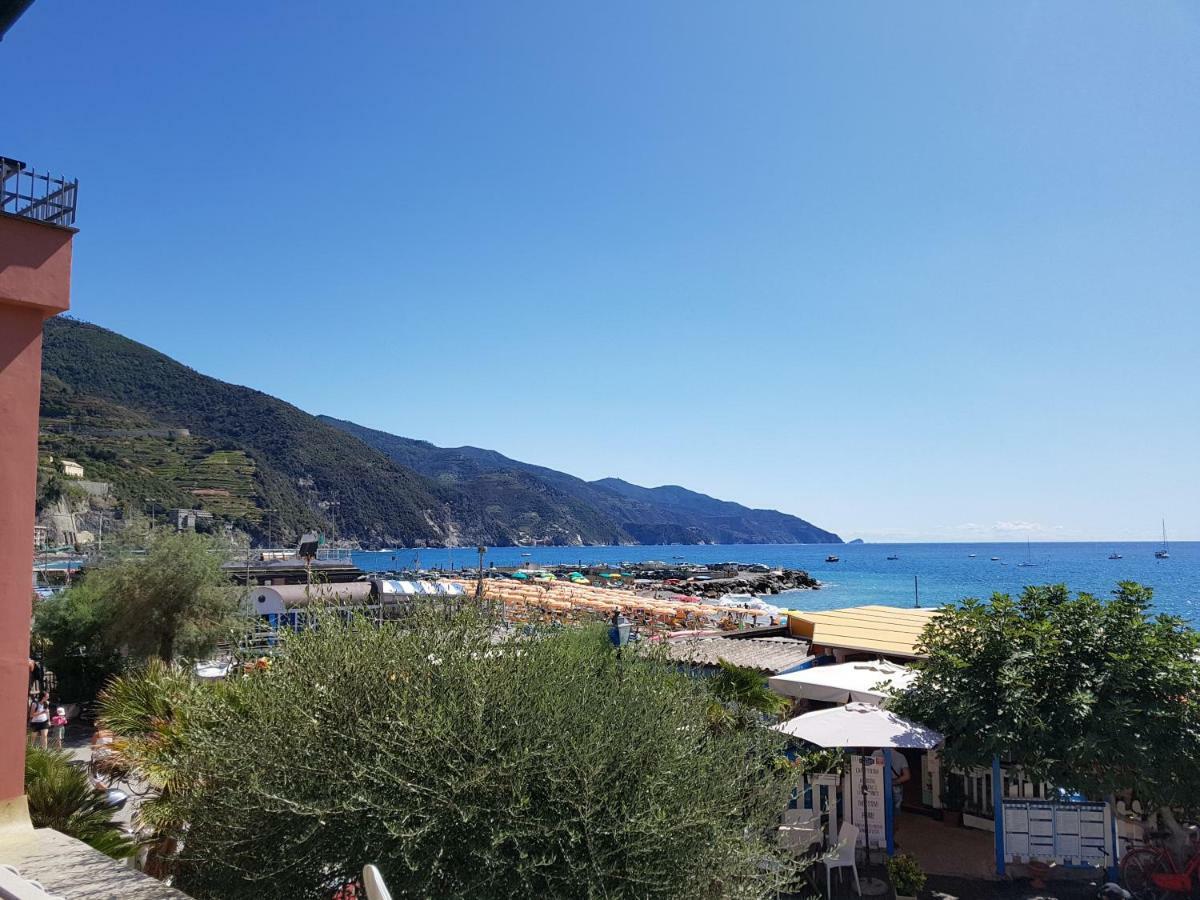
479 583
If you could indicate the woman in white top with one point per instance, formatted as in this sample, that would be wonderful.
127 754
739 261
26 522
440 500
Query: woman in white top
39 720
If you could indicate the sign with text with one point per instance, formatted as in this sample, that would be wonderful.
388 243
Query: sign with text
871 770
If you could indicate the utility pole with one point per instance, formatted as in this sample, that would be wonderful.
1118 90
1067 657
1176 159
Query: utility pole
916 593
479 584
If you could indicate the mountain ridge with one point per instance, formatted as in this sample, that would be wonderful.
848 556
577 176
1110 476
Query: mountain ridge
659 515
163 433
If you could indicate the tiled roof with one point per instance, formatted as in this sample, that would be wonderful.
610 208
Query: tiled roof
767 654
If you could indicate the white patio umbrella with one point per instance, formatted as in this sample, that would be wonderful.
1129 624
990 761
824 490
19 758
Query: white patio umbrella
860 725
866 682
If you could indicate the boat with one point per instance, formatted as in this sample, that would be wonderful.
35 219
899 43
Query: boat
995 559
1163 554
832 558
971 555
893 556
1028 558
527 554
1115 556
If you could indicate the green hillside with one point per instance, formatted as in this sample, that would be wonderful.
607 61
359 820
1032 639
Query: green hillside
607 511
167 436
266 453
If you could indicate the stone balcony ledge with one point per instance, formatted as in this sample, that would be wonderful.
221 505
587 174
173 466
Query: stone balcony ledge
72 870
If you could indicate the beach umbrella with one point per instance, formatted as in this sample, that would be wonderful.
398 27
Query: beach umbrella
860 725
520 575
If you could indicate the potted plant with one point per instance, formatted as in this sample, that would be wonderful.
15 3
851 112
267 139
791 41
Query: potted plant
954 798
905 875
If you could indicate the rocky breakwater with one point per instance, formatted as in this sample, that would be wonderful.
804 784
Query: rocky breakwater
757 583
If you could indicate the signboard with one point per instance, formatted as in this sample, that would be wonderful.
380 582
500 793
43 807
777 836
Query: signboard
874 823
1071 834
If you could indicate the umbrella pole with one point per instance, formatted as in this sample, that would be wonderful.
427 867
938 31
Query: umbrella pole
862 783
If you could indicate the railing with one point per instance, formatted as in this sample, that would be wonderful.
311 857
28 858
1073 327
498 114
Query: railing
43 197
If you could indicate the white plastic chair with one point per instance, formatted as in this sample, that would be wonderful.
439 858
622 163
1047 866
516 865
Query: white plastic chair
842 857
373 882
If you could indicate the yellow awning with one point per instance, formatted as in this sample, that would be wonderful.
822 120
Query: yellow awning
887 630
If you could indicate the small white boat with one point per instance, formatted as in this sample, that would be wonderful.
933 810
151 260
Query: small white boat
971 555
995 559
832 558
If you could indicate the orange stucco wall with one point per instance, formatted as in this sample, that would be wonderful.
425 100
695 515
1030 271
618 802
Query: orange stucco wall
35 280
35 264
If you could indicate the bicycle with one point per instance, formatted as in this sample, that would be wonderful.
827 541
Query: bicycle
1151 872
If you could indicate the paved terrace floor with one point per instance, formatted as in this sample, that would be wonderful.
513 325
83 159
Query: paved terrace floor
942 849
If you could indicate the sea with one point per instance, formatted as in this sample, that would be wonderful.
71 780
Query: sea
928 574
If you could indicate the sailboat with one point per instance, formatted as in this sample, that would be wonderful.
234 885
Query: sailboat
1163 554
1028 560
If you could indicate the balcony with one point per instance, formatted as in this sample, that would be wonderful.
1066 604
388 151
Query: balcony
68 868
38 196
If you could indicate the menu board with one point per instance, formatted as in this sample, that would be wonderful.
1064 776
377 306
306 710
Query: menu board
875 825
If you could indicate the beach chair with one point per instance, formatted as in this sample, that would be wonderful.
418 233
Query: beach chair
373 882
842 857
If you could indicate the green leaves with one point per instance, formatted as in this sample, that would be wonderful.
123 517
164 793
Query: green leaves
468 762
61 797
1088 694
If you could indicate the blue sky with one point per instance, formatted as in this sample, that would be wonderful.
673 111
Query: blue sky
909 271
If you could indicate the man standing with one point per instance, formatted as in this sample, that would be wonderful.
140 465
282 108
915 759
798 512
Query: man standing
900 777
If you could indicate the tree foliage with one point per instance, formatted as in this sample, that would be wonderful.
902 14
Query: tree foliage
171 600
741 697
61 797
464 765
1089 694
71 630
174 600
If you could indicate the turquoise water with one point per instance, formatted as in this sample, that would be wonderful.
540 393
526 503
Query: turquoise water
945 572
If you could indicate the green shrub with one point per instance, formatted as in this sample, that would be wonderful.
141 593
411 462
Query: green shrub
61 797
905 874
463 765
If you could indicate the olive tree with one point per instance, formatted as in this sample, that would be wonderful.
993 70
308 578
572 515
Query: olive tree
465 762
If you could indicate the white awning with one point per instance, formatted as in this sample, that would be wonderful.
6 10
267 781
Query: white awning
866 682
860 725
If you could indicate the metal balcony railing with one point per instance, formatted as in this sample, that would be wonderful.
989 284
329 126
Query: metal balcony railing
44 197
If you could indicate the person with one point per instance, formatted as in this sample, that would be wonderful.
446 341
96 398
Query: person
36 675
900 777
39 720
58 724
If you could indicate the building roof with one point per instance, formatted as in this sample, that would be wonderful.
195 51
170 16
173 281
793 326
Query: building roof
766 654
887 630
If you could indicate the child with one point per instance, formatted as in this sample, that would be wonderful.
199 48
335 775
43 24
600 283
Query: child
58 726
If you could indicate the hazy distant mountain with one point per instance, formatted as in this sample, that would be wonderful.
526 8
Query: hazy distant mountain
621 511
120 408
